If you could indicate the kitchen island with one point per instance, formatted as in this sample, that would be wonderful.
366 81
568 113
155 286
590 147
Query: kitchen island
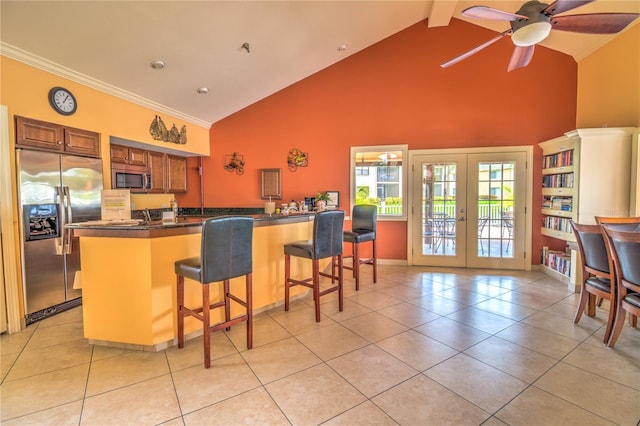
129 282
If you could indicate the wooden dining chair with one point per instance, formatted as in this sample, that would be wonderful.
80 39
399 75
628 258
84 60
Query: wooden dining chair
598 279
624 249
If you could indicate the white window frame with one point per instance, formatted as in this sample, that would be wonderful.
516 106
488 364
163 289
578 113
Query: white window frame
403 178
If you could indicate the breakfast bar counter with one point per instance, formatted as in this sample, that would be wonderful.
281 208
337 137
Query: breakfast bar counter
129 282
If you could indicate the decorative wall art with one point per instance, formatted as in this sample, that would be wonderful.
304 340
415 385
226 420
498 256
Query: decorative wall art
159 132
234 162
296 158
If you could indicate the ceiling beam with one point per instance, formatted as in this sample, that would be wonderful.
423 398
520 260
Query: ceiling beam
441 12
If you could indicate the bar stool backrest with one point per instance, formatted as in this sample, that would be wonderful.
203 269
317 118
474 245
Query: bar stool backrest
226 250
327 233
364 218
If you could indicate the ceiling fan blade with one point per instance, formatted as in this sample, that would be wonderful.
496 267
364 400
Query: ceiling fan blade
594 23
520 57
474 50
484 12
560 6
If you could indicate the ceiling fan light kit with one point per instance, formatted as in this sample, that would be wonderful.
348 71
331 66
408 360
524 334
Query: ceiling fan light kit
533 22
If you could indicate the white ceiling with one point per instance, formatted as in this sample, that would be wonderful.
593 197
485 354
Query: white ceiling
110 44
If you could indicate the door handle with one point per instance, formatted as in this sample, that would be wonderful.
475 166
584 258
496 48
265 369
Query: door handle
69 219
59 201
461 219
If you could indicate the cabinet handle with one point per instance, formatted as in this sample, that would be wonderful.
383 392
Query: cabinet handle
59 142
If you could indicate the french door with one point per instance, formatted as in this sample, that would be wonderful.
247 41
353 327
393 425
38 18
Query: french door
468 209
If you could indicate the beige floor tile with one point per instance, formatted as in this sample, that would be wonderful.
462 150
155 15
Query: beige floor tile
463 296
452 333
126 406
70 316
331 341
493 421
404 292
422 401
508 283
351 310
375 300
481 319
48 336
124 370
254 407
198 387
627 344
302 320
607 363
416 350
193 351
483 385
371 370
48 390
265 330
537 407
15 343
279 359
364 414
408 314
506 309
439 305
373 326
513 359
484 288
530 300
6 363
452 278
104 352
536 339
66 414
559 325
618 403
57 357
314 395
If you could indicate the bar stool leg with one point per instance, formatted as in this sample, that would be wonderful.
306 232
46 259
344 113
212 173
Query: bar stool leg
249 301
206 325
340 284
227 303
180 286
356 265
287 271
316 287
375 263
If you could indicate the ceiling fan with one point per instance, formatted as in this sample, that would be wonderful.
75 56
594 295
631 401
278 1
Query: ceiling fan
533 22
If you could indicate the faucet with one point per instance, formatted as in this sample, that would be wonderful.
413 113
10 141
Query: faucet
147 215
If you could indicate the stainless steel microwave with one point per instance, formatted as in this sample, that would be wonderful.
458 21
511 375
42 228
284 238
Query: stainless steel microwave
134 178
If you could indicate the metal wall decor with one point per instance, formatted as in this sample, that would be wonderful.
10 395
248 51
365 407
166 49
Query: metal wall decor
297 158
234 162
159 132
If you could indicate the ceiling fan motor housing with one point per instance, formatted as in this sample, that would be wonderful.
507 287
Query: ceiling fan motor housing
527 32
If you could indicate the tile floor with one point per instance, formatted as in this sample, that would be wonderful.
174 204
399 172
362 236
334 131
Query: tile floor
423 346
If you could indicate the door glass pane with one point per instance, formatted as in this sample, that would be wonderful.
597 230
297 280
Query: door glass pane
496 199
439 209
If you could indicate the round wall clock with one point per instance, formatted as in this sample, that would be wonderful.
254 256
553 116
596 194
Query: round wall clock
62 101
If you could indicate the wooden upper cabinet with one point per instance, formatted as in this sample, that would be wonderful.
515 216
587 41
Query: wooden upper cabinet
176 173
156 161
128 155
54 137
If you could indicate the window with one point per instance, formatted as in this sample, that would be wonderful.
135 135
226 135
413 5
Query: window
378 177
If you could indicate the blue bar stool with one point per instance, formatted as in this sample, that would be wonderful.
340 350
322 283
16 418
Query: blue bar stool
363 228
327 242
226 253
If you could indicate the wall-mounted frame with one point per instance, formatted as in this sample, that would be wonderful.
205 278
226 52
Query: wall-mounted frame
334 199
271 184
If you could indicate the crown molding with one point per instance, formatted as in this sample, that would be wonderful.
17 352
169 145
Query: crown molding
35 61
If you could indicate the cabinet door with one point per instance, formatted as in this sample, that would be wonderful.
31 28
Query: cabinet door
119 154
137 156
83 142
156 161
39 134
177 173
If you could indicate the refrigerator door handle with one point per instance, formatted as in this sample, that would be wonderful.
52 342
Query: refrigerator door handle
68 219
59 201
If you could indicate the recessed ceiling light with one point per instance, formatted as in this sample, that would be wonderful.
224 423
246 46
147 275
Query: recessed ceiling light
342 47
202 90
157 65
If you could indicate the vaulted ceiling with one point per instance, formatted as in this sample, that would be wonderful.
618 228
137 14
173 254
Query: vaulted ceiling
240 51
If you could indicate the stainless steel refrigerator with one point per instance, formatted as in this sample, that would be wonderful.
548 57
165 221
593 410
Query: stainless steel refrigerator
53 190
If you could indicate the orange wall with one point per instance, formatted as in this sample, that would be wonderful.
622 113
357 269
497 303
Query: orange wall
609 84
393 92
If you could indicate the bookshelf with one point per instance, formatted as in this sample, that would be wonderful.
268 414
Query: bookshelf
585 173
